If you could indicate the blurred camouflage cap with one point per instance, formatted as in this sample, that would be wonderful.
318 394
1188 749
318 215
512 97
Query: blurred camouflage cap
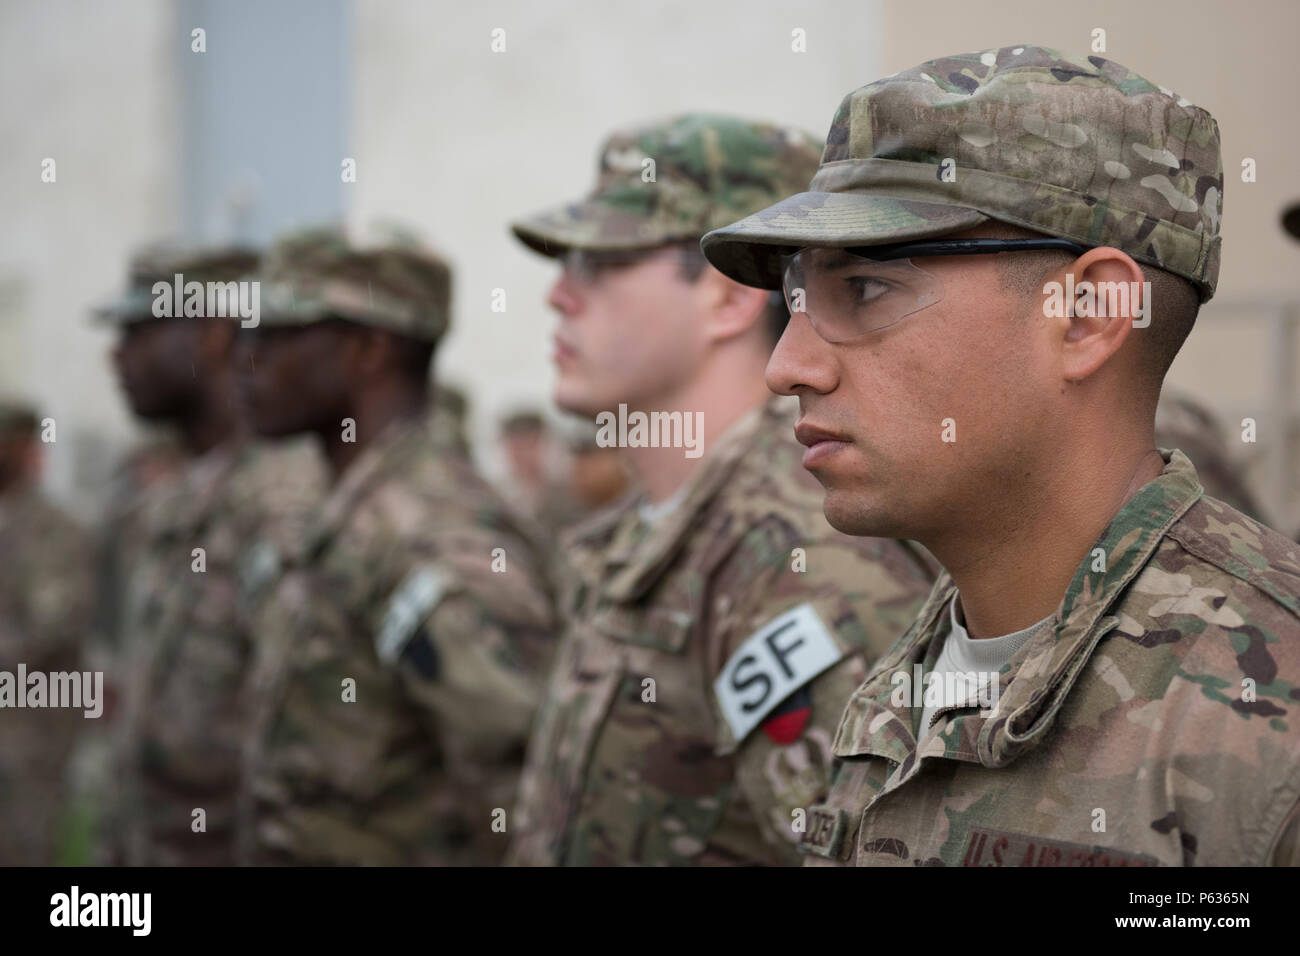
1080 148
675 180
162 262
389 280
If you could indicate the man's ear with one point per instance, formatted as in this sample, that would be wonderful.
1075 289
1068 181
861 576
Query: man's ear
1108 295
732 309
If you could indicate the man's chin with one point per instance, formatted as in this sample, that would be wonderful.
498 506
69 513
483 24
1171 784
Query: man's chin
856 515
578 402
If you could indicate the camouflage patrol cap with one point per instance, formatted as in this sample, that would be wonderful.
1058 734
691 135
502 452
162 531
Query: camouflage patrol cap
1080 148
162 262
390 281
675 180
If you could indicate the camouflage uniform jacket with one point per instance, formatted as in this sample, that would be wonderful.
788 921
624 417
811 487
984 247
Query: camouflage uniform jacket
45 597
635 759
402 654
188 647
1151 725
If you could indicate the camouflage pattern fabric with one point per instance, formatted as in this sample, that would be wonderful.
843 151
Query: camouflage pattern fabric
133 487
45 601
392 282
188 649
614 777
401 656
675 180
1152 725
121 538
448 414
1077 147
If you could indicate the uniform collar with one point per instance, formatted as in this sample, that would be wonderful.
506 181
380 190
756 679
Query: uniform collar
195 494
392 448
1036 681
625 557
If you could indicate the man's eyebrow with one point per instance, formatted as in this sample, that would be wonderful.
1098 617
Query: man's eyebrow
839 259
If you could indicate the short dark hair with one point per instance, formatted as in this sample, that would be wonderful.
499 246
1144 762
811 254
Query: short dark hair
1171 322
775 314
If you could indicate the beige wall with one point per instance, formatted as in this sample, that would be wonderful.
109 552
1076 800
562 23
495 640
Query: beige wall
458 140
461 140
90 85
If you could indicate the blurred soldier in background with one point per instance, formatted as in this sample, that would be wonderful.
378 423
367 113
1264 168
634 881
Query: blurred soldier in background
45 597
153 462
534 483
716 624
448 415
403 646
597 474
185 638
1186 424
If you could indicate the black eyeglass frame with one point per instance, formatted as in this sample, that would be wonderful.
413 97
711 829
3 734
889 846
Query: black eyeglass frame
963 247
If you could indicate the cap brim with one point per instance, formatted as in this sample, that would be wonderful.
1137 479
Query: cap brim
750 250
592 225
130 307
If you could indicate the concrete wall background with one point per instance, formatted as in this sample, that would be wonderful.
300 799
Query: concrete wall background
92 86
461 139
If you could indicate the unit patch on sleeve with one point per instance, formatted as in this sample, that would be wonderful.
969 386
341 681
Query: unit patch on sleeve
773 662
410 604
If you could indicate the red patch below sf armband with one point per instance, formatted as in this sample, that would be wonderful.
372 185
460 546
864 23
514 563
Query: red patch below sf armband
787 723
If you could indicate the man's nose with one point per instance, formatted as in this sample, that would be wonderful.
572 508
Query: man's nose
564 296
802 359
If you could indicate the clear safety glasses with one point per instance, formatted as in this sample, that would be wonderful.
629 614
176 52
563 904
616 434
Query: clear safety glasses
849 292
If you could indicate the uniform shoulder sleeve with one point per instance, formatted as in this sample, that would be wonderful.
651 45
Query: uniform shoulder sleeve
1286 847
796 620
469 629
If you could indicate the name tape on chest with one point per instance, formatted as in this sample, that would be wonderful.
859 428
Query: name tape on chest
417 595
826 832
1001 848
773 662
